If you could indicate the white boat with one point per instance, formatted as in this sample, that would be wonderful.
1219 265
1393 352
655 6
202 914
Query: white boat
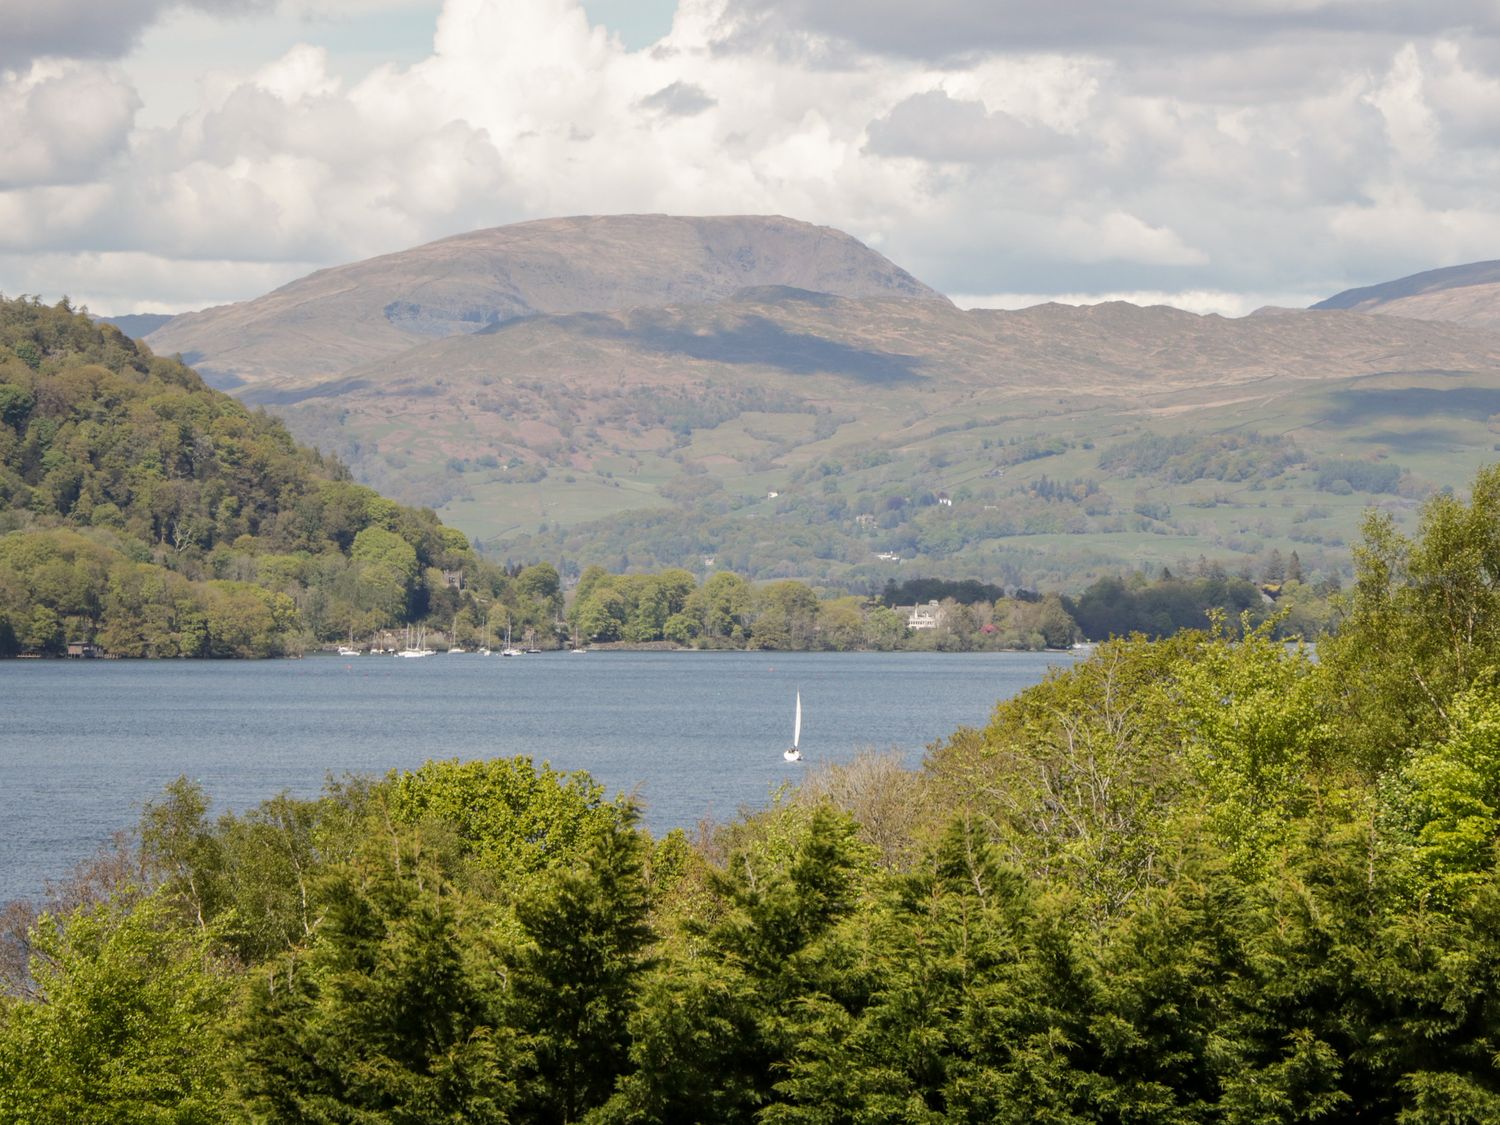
411 651
454 649
345 650
508 650
793 754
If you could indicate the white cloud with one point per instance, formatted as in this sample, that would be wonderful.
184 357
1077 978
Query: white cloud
61 122
89 29
962 29
1345 143
933 126
111 282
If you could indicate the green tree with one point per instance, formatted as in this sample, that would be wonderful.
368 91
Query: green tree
711 1031
128 1026
1423 623
577 973
509 819
392 1013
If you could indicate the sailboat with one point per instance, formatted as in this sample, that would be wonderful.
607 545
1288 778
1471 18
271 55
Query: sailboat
420 650
508 650
792 754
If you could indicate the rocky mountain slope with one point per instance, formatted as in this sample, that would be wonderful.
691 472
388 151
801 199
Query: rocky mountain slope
1467 294
337 318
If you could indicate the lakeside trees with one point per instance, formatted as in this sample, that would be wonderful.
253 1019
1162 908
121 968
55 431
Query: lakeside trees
148 514
1201 879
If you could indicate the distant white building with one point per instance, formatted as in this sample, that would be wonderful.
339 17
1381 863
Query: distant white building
928 616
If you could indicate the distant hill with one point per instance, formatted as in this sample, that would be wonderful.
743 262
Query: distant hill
136 325
778 398
1468 294
338 318
657 436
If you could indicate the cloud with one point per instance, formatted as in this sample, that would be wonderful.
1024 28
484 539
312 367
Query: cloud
89 29
947 29
680 99
1307 160
1201 301
112 280
61 123
933 126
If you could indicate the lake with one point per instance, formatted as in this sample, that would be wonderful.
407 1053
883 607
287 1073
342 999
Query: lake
692 735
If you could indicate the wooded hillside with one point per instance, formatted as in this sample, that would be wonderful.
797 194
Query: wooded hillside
143 511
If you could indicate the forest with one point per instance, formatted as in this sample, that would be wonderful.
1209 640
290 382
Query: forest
145 513
1208 878
727 611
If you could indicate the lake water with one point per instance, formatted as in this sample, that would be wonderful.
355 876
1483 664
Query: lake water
692 735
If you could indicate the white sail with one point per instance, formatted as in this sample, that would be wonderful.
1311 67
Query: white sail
797 724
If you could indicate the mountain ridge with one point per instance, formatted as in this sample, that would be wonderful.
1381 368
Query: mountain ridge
1467 294
333 319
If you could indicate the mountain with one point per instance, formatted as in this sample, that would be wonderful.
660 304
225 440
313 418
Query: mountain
659 435
655 393
136 325
337 318
1468 294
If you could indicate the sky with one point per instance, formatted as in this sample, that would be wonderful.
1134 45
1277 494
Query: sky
1217 155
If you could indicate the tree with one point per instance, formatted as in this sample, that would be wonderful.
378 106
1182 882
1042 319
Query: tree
391 1014
1423 622
129 1024
577 975
508 818
722 605
885 629
710 1032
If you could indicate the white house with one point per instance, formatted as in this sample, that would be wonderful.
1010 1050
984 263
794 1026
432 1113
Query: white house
928 616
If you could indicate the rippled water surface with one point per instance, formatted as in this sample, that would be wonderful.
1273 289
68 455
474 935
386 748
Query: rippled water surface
83 743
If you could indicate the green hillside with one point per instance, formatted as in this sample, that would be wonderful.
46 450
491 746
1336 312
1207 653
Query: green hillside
649 392
1067 443
1046 494
149 515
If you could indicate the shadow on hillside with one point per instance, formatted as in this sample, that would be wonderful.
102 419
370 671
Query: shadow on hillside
1357 407
759 341
269 396
1426 440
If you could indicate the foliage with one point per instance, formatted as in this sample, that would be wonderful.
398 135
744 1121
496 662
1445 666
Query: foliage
507 818
1359 476
127 1025
1112 607
1190 457
146 513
